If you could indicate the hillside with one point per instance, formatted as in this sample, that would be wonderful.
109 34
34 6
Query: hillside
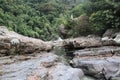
41 18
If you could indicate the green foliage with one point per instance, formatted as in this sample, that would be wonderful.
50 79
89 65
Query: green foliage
41 18
79 26
78 10
34 18
96 22
104 16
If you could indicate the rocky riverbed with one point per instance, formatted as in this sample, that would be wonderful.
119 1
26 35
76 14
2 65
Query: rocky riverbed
41 66
83 58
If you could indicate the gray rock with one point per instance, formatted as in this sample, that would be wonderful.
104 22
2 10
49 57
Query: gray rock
110 33
102 62
117 38
42 66
13 43
109 67
99 51
21 69
62 72
81 42
88 78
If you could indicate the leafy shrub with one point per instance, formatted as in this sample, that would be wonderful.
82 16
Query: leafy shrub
78 26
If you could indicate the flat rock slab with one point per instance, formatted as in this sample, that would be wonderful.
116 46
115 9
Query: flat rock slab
98 52
19 70
86 42
42 66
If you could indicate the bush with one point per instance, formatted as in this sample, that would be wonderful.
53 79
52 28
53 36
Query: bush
78 26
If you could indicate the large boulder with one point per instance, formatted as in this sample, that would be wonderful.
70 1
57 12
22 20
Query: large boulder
12 43
100 68
102 63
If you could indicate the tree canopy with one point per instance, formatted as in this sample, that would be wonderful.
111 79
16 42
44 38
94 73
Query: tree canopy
41 18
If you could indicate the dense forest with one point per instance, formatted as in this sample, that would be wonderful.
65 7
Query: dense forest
43 18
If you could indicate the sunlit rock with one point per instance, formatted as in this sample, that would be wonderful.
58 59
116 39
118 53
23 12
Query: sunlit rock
117 38
15 41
